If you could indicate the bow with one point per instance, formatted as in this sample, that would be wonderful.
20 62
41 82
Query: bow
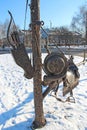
8 30
14 34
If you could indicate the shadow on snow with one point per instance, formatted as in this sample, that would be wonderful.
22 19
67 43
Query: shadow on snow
12 113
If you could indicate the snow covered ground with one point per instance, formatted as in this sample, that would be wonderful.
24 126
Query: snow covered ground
17 107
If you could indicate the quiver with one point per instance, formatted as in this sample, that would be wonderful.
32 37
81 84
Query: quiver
21 58
19 52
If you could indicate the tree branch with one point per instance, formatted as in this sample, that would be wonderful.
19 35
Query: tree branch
52 85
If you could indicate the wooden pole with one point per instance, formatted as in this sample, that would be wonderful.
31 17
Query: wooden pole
37 80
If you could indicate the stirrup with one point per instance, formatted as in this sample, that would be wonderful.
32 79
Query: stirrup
70 99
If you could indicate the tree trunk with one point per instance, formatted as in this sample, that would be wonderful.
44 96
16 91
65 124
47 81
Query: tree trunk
36 48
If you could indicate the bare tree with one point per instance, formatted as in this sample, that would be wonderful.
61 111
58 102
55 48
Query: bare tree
4 27
79 20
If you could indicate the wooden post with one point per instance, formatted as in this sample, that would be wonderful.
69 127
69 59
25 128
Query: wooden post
36 48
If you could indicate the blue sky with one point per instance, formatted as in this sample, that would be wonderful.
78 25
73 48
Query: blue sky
54 13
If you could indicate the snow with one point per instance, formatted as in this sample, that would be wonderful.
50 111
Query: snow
17 105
